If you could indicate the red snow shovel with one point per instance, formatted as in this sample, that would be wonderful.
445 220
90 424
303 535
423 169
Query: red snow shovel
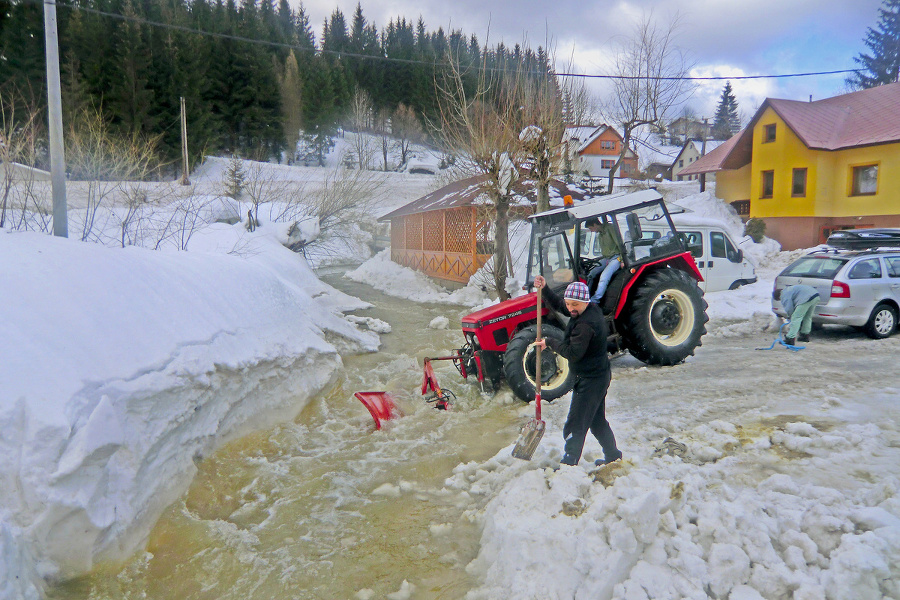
533 430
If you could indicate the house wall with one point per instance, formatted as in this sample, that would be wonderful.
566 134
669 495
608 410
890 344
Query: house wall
594 166
733 185
804 232
592 156
835 187
687 157
801 222
445 244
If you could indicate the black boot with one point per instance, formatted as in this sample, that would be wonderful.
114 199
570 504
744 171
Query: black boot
790 341
608 459
569 459
804 337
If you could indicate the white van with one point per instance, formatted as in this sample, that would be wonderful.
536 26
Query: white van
722 264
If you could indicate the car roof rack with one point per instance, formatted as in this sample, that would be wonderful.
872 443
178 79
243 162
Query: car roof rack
865 239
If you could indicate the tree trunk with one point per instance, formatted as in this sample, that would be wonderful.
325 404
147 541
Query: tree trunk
501 244
543 196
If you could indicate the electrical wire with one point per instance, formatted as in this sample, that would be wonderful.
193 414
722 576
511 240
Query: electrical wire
340 54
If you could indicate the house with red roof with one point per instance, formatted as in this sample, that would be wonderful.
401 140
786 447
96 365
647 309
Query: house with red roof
809 168
594 150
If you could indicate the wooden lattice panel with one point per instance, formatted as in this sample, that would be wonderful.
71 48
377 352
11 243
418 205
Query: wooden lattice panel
459 230
433 231
414 232
398 238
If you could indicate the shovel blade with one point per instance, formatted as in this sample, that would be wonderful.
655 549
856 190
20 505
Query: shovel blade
380 404
529 438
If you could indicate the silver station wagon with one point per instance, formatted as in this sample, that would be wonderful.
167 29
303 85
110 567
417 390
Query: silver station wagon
860 288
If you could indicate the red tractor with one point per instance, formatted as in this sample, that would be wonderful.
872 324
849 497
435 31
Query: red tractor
654 308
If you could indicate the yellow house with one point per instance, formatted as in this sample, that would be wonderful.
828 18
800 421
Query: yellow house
808 168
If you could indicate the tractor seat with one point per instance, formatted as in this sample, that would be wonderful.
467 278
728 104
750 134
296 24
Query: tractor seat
614 291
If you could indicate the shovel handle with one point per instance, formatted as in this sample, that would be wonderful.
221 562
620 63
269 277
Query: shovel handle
537 363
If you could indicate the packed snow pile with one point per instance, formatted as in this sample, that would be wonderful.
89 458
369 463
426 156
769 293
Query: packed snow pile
121 367
395 280
706 209
746 511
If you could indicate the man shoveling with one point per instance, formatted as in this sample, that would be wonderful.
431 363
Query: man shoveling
584 346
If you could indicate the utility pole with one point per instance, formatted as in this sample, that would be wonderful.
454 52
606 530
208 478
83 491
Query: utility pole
184 146
54 110
703 153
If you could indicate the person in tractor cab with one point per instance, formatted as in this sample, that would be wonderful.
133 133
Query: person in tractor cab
612 258
584 346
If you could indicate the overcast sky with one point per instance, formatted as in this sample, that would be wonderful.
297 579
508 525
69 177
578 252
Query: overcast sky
721 37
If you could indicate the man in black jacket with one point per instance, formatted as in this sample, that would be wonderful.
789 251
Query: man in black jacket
584 346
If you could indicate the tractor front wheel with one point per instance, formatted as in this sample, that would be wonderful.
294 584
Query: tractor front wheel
667 318
519 363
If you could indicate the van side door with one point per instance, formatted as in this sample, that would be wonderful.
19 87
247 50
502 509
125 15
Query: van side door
725 263
695 244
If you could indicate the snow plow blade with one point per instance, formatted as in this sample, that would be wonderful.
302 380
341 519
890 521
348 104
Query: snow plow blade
380 404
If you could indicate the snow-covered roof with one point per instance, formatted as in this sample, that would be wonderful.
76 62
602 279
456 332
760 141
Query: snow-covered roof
654 152
473 190
578 133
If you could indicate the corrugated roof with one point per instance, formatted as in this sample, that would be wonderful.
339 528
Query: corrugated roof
473 190
862 118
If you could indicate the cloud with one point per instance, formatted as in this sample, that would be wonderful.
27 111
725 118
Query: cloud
720 36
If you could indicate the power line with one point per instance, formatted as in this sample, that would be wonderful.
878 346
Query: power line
340 54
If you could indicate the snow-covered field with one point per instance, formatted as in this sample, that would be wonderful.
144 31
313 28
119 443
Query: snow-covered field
120 367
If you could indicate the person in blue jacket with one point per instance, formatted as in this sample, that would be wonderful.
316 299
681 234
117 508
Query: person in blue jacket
799 302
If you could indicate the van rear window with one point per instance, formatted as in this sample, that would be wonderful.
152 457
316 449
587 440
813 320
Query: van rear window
822 267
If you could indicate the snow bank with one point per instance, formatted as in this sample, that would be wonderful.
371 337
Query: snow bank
402 282
122 367
736 515
706 209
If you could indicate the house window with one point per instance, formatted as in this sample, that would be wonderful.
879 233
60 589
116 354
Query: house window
607 164
768 184
680 164
865 180
769 133
798 183
607 145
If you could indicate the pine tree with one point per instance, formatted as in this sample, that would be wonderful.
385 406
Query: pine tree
883 64
727 122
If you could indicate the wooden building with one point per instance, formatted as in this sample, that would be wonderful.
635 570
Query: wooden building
449 233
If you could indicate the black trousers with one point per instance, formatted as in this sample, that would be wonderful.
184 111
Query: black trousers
588 413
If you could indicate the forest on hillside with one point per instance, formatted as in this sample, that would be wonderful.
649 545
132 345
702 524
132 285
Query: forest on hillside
252 74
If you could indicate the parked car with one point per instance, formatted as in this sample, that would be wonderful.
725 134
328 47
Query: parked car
721 263
860 288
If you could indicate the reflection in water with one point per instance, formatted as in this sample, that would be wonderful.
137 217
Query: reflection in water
325 506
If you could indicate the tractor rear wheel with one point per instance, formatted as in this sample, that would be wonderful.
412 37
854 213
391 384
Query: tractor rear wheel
667 318
519 363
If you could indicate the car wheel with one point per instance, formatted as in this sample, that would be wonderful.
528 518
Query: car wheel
735 284
519 363
667 318
882 323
